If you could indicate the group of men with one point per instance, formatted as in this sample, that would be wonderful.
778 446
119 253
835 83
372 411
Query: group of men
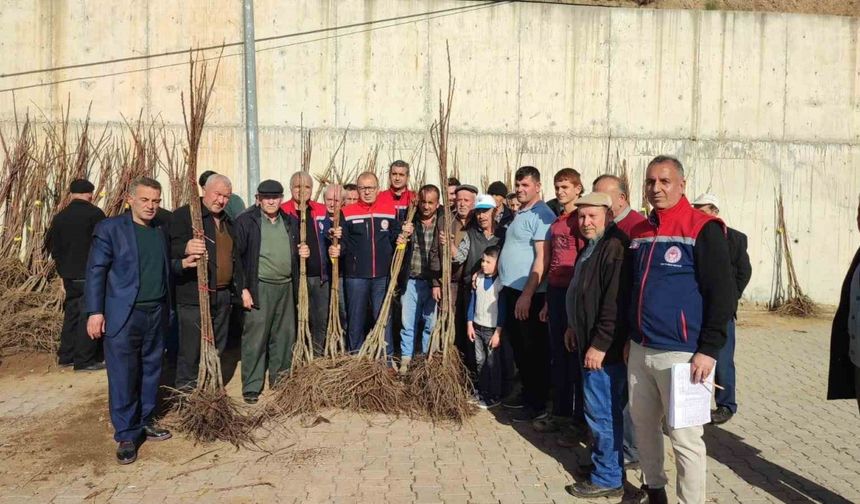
591 300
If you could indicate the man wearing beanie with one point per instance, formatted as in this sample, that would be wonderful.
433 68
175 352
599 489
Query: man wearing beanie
499 191
68 241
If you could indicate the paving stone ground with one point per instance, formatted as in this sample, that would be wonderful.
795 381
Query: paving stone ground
787 444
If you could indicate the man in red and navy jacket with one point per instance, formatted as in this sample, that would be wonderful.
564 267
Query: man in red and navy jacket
683 298
370 233
397 192
317 224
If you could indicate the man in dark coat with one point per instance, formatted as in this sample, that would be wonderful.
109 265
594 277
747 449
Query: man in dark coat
843 382
596 308
219 245
68 241
727 405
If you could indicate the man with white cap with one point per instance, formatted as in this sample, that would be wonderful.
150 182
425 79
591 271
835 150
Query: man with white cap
725 399
596 331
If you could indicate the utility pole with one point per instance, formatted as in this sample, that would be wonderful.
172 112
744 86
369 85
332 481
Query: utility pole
251 134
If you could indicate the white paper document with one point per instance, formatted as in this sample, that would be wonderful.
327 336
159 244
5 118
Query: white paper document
689 403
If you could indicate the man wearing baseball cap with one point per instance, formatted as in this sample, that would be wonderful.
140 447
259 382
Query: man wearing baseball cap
596 304
725 399
267 241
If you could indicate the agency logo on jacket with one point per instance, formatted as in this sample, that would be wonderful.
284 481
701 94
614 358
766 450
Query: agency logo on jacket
667 308
369 236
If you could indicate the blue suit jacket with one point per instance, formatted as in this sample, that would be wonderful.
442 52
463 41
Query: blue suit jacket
113 276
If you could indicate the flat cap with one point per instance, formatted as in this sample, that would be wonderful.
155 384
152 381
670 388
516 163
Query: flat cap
497 188
466 187
595 199
81 186
270 187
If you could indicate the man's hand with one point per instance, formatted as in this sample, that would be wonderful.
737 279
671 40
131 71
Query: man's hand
544 313
521 310
336 232
195 246
443 238
474 281
401 239
470 331
701 367
407 229
437 294
496 340
247 300
334 251
569 339
191 261
594 358
304 250
96 326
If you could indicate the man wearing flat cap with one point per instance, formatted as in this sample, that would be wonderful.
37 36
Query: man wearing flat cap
267 241
68 241
596 332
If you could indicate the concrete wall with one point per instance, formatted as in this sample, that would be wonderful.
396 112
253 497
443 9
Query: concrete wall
748 101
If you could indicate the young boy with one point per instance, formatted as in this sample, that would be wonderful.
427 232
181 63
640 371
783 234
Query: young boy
484 321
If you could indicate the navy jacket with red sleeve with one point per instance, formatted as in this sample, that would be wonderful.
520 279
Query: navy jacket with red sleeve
369 238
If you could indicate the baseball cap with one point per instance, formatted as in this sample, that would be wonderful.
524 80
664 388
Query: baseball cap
485 202
707 199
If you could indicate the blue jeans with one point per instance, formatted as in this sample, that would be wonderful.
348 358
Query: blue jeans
418 306
133 359
360 292
566 366
605 394
725 372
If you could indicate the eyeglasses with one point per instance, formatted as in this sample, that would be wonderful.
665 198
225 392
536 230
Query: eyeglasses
367 188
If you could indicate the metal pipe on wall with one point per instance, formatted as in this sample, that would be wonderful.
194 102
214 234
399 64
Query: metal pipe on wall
252 144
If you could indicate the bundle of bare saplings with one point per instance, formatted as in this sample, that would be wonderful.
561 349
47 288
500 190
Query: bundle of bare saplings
39 163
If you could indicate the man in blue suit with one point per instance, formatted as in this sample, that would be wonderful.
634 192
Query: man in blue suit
128 280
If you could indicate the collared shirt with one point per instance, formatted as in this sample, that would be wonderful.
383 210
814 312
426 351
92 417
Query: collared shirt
518 255
854 319
421 249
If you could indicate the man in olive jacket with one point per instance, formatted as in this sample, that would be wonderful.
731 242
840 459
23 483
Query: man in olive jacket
596 309
844 379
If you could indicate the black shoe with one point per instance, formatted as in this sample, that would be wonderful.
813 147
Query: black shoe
656 495
66 363
529 415
97 366
154 433
251 399
587 490
126 452
513 402
721 415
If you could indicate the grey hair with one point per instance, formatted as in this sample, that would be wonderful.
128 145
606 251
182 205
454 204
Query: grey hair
667 159
217 178
622 186
335 187
145 182
301 174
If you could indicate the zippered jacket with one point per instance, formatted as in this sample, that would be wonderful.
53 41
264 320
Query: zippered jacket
369 238
401 203
322 223
683 290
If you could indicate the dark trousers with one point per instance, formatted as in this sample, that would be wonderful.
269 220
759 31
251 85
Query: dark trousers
188 359
566 366
319 294
75 345
359 293
461 337
133 358
488 363
530 344
725 372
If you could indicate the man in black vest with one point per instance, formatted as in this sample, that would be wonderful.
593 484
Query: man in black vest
68 241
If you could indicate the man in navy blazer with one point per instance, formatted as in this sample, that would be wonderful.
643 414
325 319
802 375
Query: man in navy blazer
128 290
